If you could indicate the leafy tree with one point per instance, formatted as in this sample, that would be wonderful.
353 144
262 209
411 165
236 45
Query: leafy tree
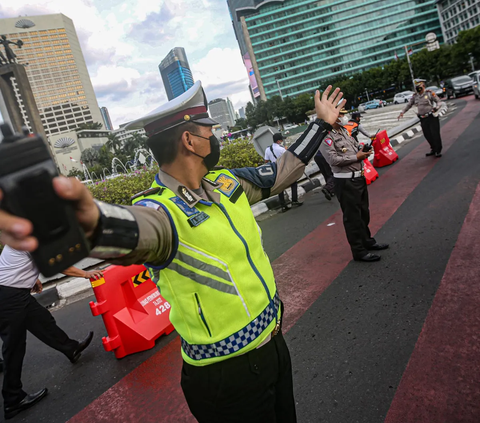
76 173
241 123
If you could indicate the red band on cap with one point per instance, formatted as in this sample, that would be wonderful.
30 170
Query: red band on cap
158 125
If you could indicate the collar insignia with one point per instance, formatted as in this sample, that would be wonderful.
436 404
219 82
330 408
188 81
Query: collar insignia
186 195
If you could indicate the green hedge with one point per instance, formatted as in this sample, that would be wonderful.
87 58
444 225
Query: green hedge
122 188
239 153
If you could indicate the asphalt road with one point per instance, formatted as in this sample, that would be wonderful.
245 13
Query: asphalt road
352 327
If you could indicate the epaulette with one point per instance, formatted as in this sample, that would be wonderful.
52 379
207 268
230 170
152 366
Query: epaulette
146 193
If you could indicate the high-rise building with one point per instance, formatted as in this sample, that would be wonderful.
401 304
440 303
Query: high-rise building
233 6
241 112
56 70
176 74
222 113
106 118
295 46
456 16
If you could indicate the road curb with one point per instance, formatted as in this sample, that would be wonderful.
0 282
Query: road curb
408 134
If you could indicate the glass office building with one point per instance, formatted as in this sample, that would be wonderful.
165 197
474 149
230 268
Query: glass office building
176 75
456 16
299 44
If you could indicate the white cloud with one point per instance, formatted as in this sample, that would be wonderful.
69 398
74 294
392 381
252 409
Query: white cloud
223 74
123 43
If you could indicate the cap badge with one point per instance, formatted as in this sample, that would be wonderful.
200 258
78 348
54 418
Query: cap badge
186 117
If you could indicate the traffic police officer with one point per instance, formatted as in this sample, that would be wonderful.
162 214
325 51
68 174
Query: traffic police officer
427 103
342 153
354 126
195 231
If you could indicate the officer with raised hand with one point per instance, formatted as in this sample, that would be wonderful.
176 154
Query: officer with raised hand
196 233
342 153
427 103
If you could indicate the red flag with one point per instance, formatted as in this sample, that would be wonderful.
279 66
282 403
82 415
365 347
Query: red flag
396 56
410 52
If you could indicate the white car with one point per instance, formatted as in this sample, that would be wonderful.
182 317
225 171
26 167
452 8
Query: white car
289 126
476 85
403 97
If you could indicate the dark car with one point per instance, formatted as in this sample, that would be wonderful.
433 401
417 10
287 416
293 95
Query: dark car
460 85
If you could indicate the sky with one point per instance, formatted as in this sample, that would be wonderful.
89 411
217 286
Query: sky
123 43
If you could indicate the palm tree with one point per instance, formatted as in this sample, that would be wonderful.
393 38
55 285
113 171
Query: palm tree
89 157
89 125
113 143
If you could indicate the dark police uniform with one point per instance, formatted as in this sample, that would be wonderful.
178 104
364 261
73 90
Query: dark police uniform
340 150
427 103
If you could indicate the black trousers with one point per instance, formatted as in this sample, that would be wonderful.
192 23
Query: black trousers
326 171
431 130
353 197
294 189
19 312
255 387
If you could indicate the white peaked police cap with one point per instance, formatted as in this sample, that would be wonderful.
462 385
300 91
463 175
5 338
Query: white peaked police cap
191 106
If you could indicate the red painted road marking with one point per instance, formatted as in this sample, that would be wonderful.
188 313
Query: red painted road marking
442 381
151 392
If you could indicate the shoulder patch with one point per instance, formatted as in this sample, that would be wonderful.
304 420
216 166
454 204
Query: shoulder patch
148 203
147 192
328 141
228 184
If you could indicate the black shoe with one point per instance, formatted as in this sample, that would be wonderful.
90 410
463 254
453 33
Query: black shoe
369 257
438 155
377 247
284 209
1 365
432 153
327 194
27 402
81 346
296 204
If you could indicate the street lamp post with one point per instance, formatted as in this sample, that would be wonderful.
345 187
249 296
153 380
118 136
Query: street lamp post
366 92
279 90
410 67
471 61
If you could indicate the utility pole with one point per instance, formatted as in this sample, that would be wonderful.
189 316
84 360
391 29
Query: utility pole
366 92
410 67
279 90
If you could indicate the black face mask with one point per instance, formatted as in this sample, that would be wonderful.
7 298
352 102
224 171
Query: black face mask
211 159
419 89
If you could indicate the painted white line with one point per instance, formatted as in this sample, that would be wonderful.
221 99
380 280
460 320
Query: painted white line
259 209
410 133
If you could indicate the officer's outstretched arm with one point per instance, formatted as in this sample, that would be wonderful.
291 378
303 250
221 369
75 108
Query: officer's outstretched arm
272 178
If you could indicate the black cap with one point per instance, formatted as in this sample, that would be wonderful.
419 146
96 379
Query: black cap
277 137
355 115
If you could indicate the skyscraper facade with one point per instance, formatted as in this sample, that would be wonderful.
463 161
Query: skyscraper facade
221 112
56 70
233 6
456 16
296 45
176 74
106 118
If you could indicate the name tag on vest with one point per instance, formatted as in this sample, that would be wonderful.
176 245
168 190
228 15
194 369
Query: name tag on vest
198 219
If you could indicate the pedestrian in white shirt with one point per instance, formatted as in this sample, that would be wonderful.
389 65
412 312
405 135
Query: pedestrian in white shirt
272 154
20 312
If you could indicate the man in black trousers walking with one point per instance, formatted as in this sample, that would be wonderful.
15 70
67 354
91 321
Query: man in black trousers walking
20 312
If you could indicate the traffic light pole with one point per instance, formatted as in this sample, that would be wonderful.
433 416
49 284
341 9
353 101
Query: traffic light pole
410 67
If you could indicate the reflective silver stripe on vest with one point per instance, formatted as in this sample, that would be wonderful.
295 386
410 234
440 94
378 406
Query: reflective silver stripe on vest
236 341
223 264
200 265
203 280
